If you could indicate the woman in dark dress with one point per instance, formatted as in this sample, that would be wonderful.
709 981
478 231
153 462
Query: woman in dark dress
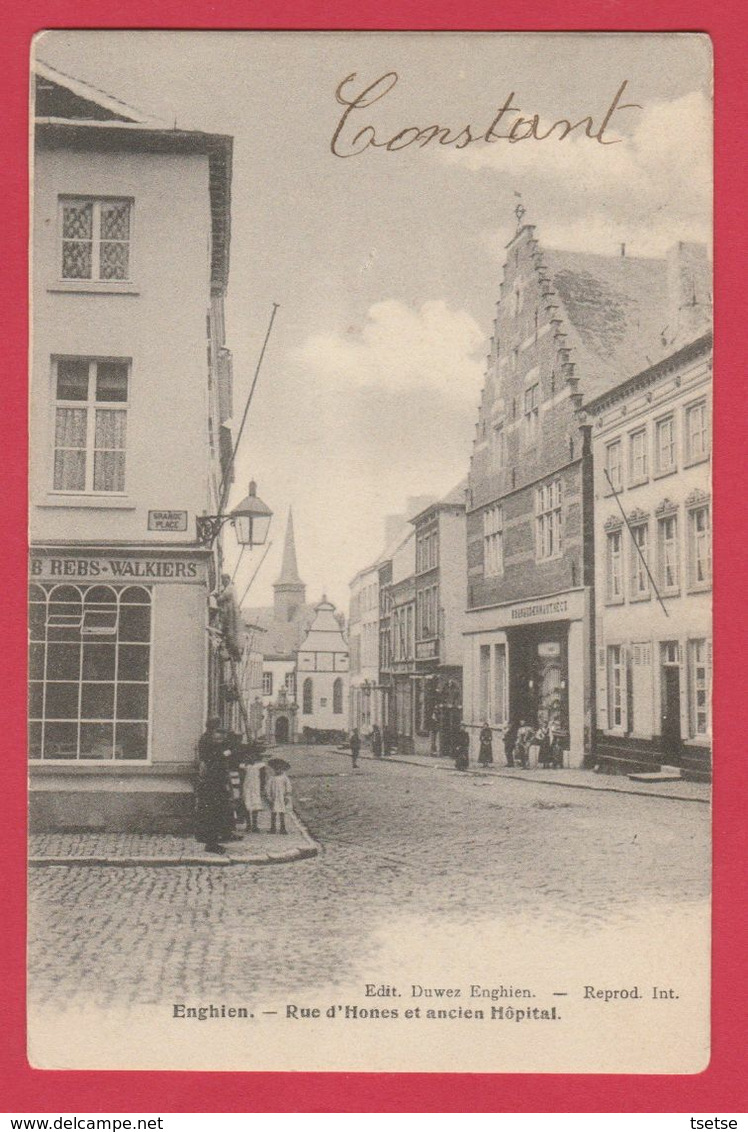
214 817
485 754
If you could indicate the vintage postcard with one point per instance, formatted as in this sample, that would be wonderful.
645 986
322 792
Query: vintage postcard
370 565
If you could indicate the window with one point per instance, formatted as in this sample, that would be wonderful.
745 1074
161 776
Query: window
665 445
615 570
90 425
306 696
485 682
699 547
290 684
498 712
613 464
548 520
532 413
615 686
639 551
697 433
267 683
700 678
499 446
667 552
638 463
95 238
89 670
337 697
493 541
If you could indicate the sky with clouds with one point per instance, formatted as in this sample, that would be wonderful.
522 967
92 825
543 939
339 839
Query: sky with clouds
386 265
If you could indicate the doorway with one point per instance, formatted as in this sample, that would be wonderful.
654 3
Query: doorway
281 729
670 723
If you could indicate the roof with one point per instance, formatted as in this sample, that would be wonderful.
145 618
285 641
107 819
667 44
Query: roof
72 114
325 633
616 311
453 498
63 96
673 360
281 638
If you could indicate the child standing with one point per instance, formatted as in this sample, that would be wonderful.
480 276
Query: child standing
253 789
279 795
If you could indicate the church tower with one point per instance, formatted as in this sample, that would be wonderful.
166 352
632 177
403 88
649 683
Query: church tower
290 591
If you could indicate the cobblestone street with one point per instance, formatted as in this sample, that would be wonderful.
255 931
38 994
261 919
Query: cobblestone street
422 843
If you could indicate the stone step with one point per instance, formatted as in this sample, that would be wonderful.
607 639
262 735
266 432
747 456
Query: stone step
664 774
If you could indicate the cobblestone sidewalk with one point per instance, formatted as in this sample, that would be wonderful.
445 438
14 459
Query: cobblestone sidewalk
681 791
261 848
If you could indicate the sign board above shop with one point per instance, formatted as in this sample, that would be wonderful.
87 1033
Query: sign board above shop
117 568
548 649
167 520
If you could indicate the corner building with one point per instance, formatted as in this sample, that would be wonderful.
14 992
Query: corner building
130 389
565 321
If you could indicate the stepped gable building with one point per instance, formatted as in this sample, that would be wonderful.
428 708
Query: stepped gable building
131 444
322 675
651 440
566 325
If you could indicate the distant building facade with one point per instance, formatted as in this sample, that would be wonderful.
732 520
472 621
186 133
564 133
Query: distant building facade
440 605
363 639
653 518
322 675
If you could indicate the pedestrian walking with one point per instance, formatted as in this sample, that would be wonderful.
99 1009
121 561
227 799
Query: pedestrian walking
214 815
256 774
355 744
510 738
485 754
462 749
376 742
279 794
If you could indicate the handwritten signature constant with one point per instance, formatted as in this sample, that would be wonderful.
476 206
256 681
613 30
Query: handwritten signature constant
509 124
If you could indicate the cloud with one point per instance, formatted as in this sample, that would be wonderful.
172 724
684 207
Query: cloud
651 188
401 350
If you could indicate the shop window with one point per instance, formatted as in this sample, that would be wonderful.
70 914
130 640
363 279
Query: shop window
699 548
639 556
485 682
548 520
667 553
665 445
616 689
613 464
697 433
700 679
638 462
90 425
267 683
493 541
89 670
337 697
498 713
95 241
615 566
306 696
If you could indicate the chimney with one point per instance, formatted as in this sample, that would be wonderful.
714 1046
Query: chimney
689 292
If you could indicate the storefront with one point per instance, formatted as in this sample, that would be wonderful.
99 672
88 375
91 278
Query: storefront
529 661
118 671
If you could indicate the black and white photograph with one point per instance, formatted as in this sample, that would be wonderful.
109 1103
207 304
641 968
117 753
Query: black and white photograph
370 572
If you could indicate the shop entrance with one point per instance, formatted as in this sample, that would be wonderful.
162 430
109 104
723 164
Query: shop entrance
539 677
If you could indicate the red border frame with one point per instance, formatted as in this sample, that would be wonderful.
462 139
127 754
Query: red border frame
721 1087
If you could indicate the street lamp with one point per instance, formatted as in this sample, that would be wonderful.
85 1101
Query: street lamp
250 520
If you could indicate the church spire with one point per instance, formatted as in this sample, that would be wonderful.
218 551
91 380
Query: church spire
290 591
289 575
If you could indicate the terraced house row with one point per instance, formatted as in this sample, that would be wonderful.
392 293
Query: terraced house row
582 592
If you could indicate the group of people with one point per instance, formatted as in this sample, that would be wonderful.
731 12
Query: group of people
234 784
519 738
382 743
